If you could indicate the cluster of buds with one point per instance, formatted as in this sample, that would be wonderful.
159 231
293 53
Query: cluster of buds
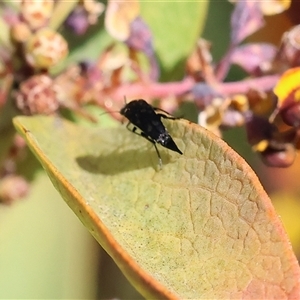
33 48
281 140
36 49
42 48
12 185
28 56
266 103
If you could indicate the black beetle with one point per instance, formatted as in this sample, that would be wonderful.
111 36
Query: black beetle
147 118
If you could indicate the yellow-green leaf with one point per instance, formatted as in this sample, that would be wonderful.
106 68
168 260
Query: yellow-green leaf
202 227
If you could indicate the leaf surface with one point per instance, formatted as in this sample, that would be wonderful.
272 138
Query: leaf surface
202 227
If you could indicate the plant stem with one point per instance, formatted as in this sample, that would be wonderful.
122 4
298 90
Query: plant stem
61 11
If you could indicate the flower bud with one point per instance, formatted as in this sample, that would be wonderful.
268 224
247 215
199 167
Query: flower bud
37 95
45 49
13 187
36 13
280 158
291 115
20 32
291 46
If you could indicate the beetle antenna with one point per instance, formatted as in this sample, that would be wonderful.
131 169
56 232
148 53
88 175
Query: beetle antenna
113 111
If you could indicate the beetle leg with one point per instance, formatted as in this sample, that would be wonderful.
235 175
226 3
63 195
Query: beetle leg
142 134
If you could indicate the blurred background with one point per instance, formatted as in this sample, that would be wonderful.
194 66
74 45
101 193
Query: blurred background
45 252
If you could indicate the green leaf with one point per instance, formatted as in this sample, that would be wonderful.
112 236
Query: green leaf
175 26
202 227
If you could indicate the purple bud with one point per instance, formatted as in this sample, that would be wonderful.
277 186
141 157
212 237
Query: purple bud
254 58
77 21
140 39
280 158
291 115
246 19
